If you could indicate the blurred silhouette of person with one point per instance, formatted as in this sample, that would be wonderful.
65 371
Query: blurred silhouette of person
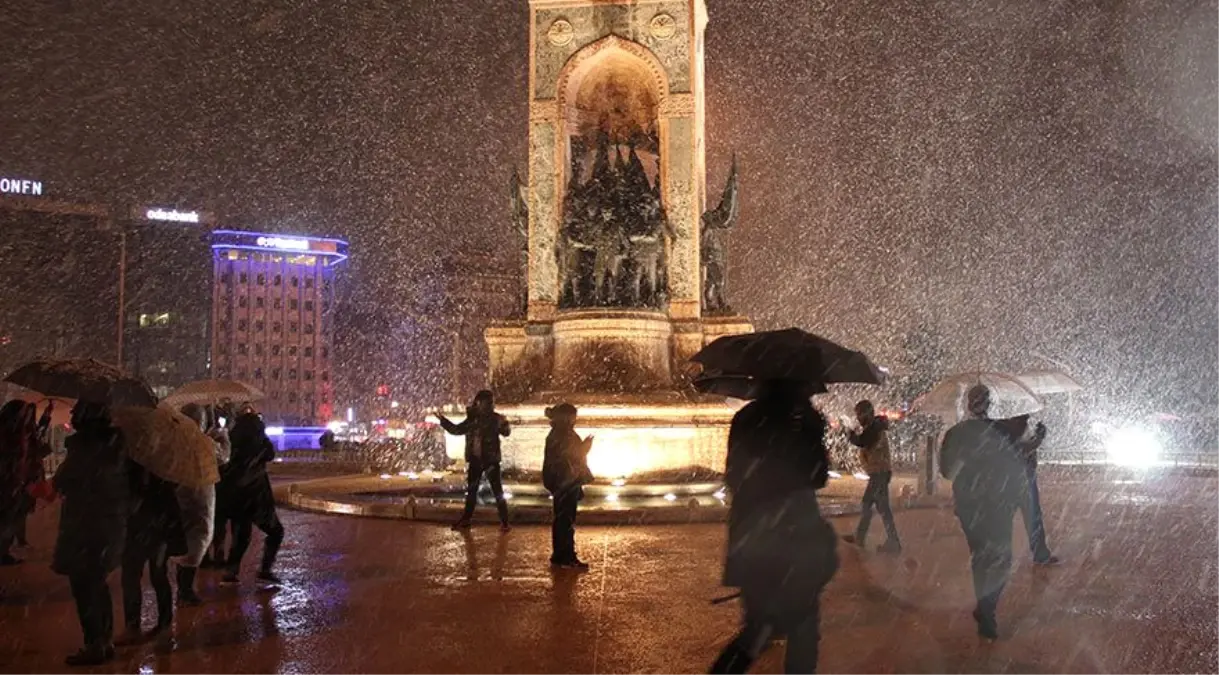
246 496
1028 441
14 452
95 483
988 485
781 551
198 510
872 439
482 428
565 472
154 533
33 472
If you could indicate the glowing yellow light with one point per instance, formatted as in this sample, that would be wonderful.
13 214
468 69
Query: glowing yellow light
618 482
611 497
670 497
835 474
861 475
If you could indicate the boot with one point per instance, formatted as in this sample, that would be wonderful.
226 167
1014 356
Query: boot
186 586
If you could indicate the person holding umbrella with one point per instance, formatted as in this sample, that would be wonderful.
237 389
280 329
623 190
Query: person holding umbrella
94 484
246 496
154 533
482 428
564 473
198 510
988 485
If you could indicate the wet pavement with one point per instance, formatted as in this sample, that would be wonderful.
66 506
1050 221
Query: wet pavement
1137 593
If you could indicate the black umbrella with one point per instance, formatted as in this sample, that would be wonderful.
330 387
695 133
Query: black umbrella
84 379
738 386
789 354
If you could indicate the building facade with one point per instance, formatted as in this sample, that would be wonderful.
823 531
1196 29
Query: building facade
168 293
60 274
273 320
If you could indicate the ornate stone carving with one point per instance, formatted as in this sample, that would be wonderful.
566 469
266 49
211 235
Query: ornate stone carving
663 26
518 209
543 219
715 225
560 33
578 63
677 105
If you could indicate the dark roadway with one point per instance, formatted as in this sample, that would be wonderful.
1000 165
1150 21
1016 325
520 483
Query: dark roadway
1137 593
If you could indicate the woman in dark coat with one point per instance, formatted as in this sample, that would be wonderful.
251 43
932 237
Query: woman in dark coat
14 449
94 483
781 551
154 533
245 495
564 473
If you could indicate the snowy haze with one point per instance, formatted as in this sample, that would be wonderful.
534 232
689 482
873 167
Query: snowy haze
1019 177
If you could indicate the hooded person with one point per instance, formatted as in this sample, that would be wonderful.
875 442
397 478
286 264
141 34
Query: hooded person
781 551
482 428
198 512
564 473
988 484
245 495
94 482
872 439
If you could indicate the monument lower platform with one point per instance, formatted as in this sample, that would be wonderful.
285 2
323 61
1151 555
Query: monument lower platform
630 439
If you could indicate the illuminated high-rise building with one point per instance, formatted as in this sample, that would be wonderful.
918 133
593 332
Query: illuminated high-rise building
272 320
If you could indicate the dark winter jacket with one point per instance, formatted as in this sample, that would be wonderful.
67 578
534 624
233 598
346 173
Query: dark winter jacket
482 434
14 449
873 444
245 489
95 484
781 552
565 462
156 517
984 465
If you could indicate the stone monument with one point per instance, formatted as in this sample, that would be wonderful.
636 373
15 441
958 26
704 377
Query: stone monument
613 217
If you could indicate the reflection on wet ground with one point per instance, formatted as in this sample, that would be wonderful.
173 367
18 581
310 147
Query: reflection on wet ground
1137 593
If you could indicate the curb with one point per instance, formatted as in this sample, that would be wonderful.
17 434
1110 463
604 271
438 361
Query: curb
291 496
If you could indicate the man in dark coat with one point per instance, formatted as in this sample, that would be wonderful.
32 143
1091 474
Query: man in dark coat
94 481
988 485
781 551
1034 522
154 533
482 428
246 497
872 439
564 473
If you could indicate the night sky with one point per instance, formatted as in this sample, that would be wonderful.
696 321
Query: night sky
1017 176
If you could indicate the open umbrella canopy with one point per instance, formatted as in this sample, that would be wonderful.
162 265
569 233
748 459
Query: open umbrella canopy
789 354
1045 382
169 444
738 386
210 392
1009 397
83 379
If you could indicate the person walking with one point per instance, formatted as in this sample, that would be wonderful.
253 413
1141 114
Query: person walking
215 556
154 533
94 483
988 485
872 439
564 473
781 551
1028 442
482 428
245 493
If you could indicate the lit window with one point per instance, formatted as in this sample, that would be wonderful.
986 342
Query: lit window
150 320
233 255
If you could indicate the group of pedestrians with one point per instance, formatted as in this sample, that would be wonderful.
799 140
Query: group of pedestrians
117 514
